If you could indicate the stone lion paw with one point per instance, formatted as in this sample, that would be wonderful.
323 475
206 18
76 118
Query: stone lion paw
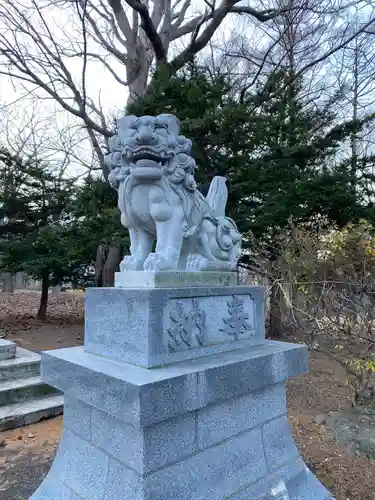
196 262
156 262
130 263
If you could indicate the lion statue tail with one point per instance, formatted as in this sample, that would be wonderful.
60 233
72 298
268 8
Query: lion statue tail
217 196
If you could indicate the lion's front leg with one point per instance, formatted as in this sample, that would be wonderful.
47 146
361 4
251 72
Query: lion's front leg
169 230
168 248
141 243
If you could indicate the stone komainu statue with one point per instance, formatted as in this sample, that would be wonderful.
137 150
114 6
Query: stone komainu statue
172 225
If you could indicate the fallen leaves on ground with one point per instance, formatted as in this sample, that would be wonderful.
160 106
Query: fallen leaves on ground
25 460
18 310
321 391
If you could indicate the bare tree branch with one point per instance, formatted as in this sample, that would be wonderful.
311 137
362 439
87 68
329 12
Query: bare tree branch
130 37
122 19
83 17
180 16
146 24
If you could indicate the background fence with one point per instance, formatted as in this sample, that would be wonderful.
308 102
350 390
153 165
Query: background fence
19 281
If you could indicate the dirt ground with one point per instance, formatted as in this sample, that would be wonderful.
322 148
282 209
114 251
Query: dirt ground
26 453
25 457
348 476
63 327
46 337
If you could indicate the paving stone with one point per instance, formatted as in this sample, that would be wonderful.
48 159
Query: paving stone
7 349
278 443
29 412
223 420
77 417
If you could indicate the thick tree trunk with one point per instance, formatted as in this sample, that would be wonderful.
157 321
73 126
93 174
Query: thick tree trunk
138 85
42 313
354 137
275 319
108 259
101 255
8 283
137 89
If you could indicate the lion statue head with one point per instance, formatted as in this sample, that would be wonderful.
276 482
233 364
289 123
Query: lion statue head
149 148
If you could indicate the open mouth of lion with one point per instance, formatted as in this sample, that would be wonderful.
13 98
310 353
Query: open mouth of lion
146 154
147 164
147 169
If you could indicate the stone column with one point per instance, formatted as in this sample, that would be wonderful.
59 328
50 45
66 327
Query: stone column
176 395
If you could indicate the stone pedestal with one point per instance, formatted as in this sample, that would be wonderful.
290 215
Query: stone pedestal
176 395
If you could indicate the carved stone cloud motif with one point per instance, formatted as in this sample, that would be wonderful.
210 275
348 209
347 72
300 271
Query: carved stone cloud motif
152 169
186 326
208 320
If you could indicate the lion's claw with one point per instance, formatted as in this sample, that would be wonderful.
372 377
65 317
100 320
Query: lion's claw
130 263
196 262
156 262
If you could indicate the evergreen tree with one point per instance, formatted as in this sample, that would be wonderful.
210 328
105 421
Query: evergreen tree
51 227
277 153
96 220
33 232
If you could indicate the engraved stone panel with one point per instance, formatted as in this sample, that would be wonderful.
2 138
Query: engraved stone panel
201 321
153 327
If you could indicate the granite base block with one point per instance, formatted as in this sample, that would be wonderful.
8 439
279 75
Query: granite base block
174 279
151 327
209 429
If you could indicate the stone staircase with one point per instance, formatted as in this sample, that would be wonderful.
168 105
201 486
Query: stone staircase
24 398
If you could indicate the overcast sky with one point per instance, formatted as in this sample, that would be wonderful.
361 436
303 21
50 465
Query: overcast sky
51 119
22 110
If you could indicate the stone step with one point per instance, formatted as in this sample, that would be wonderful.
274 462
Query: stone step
24 389
29 412
7 349
25 364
